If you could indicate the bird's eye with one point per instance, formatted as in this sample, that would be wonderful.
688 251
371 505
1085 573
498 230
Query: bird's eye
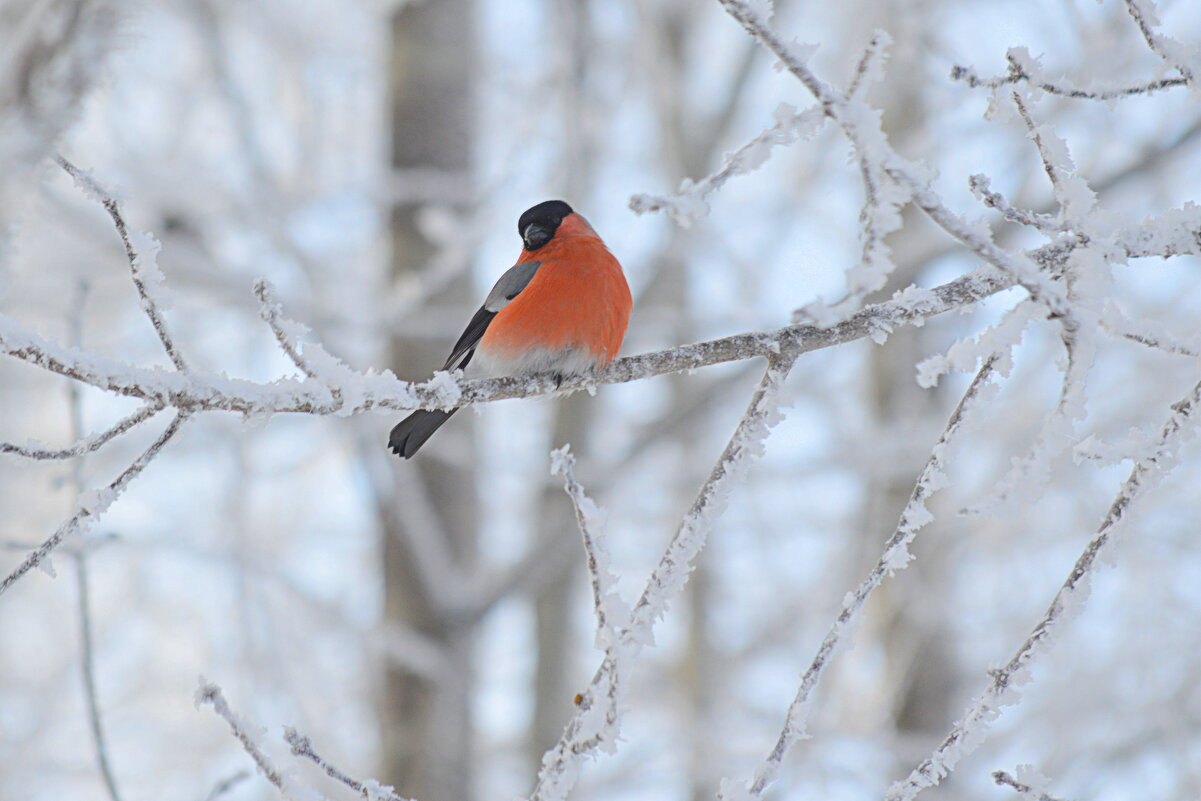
535 236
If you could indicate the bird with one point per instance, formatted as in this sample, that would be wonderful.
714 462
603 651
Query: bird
563 308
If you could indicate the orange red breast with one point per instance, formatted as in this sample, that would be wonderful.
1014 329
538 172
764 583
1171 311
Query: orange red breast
578 300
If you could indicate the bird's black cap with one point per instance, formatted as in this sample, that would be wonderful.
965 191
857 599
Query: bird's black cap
538 223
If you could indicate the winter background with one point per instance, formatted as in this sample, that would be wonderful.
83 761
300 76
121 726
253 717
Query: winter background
430 623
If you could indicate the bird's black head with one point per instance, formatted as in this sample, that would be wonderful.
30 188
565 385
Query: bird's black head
539 223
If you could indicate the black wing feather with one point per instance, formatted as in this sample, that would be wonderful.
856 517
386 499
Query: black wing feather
464 349
412 432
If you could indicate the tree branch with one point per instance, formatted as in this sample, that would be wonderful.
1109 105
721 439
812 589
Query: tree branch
1025 790
209 392
981 187
137 265
211 694
89 444
895 557
369 789
92 508
689 202
1036 137
605 603
969 731
1160 45
1017 74
877 149
1176 234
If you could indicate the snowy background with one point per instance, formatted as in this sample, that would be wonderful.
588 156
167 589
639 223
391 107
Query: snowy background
428 623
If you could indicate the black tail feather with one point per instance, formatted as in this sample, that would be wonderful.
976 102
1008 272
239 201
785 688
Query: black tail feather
412 432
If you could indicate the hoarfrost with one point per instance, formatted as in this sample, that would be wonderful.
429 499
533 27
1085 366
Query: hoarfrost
445 386
688 204
145 266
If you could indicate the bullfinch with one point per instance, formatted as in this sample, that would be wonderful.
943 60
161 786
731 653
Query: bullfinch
563 308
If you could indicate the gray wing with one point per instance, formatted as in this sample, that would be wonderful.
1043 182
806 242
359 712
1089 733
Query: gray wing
507 287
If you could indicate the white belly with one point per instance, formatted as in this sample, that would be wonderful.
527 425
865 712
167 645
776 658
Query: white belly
570 361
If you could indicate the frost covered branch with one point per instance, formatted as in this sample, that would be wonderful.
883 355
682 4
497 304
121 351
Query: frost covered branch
88 444
211 694
1119 325
688 203
143 269
1174 234
605 602
199 391
1036 136
1003 779
861 125
1170 51
285 331
287 334
971 729
981 187
594 724
895 557
91 508
1020 74
369 789
1024 69
325 378
870 64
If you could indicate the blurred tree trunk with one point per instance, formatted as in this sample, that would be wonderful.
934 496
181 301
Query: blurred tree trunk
426 728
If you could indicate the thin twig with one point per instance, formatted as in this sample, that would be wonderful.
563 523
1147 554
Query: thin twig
1004 779
981 187
302 747
271 312
689 202
1157 342
870 54
1036 137
1154 40
90 510
894 557
89 444
1018 75
211 694
966 733
149 305
595 556
225 785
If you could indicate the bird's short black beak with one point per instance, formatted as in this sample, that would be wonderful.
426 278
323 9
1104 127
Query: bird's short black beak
535 236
